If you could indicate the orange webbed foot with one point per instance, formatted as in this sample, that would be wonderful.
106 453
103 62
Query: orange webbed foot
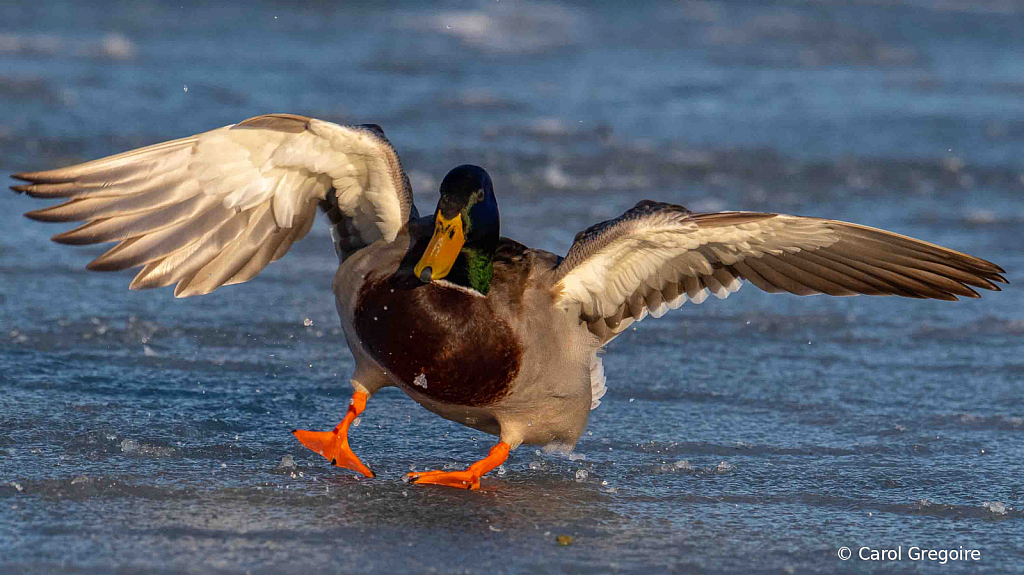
334 448
459 479
333 445
467 479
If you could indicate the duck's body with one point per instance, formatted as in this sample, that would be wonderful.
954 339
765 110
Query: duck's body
485 361
475 327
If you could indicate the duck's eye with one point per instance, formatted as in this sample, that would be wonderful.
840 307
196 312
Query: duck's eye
451 233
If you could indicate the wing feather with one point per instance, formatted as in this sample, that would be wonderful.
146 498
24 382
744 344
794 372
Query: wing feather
230 261
143 249
656 256
119 228
187 260
215 208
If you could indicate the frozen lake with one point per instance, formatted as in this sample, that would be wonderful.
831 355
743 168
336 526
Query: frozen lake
144 434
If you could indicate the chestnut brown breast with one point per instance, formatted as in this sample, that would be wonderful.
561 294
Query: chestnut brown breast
442 342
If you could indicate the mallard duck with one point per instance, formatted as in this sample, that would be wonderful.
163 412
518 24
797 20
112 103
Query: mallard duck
475 327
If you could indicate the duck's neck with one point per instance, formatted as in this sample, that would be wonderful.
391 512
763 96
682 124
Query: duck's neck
474 269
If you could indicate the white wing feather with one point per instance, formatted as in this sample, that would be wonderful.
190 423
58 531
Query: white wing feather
216 208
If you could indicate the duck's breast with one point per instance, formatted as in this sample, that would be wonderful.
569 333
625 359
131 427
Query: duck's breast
437 340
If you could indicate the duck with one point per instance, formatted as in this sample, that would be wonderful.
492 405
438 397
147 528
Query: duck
474 326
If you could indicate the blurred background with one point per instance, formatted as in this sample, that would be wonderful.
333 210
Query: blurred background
763 432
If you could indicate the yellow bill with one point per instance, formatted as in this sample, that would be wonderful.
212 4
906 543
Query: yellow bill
443 249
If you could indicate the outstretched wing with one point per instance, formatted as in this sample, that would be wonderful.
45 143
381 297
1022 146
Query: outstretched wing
215 208
656 256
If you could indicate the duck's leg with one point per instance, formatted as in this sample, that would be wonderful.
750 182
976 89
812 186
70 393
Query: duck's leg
468 479
333 445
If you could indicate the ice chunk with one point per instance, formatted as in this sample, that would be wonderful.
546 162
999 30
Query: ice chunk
581 475
577 457
421 380
995 507
134 447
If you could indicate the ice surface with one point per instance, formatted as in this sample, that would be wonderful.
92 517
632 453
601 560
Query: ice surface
782 106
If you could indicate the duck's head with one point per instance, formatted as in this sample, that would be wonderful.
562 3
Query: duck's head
466 231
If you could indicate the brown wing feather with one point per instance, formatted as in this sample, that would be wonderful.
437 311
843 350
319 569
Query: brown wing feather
655 256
